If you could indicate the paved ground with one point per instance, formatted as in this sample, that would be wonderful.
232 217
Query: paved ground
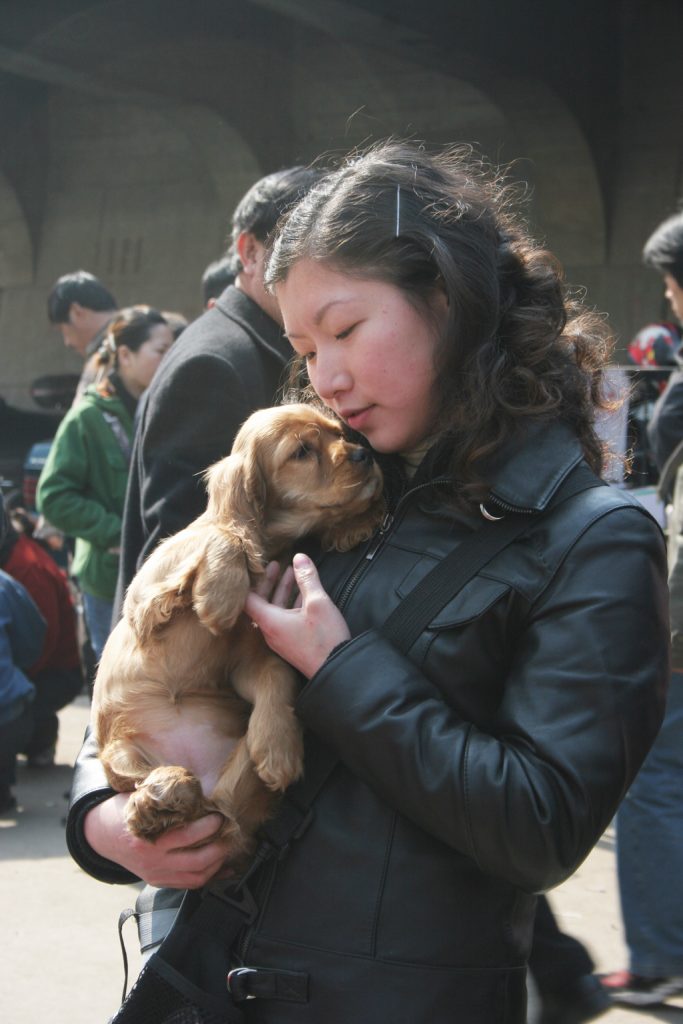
59 951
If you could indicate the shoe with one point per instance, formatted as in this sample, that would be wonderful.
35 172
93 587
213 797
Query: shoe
43 759
635 990
583 1000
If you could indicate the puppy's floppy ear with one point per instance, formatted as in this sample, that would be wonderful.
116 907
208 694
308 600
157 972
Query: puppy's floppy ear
237 490
164 583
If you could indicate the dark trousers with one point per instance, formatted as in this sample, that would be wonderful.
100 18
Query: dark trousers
13 735
557 960
54 690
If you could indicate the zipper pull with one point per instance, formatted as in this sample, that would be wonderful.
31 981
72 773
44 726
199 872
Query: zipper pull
379 537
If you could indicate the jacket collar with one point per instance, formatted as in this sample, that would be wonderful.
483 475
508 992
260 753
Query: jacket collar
238 307
529 469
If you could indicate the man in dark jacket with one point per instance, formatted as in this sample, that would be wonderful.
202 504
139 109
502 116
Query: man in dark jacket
228 363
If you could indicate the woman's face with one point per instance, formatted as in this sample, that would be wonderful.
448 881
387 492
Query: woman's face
137 368
370 352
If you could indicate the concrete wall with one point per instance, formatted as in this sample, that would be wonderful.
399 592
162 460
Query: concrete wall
131 129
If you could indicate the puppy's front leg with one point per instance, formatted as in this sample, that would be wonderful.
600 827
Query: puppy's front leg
274 734
222 582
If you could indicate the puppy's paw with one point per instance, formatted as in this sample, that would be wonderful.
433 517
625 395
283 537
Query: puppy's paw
170 796
279 761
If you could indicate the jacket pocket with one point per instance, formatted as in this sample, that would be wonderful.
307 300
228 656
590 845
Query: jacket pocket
471 601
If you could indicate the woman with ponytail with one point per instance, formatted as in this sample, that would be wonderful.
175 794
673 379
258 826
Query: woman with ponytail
83 484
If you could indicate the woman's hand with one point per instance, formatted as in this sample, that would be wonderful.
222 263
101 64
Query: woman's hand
305 634
182 858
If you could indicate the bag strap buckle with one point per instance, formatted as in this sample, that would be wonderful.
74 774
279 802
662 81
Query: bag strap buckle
237 988
264 983
239 899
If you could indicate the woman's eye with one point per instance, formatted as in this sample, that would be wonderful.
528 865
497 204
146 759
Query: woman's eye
344 334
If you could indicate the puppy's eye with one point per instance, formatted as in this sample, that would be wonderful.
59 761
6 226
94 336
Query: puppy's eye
302 452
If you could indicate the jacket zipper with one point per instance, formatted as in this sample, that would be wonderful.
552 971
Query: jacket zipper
377 542
265 883
510 508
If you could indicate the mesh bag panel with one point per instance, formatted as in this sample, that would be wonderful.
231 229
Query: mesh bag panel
154 999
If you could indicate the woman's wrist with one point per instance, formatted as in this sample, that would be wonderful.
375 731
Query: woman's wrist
104 828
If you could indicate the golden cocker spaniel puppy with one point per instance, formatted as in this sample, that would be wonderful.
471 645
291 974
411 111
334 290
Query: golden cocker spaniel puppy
192 711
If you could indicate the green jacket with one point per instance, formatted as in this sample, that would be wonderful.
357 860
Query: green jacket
83 485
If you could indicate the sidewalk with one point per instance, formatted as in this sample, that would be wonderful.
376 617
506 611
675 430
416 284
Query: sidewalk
61 960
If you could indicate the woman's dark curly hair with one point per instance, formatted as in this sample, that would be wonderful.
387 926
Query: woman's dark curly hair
516 345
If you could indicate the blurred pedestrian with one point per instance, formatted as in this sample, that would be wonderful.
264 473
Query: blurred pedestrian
56 674
663 252
176 321
82 308
650 820
82 486
216 278
227 363
22 630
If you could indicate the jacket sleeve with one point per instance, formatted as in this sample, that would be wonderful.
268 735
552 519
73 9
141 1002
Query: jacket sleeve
675 525
22 630
63 496
190 422
665 428
527 797
89 787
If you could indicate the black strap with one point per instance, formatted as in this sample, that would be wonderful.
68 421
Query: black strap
409 619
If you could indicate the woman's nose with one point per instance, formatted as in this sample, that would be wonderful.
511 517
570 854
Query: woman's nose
329 377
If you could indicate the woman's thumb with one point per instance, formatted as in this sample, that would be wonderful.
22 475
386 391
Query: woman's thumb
305 573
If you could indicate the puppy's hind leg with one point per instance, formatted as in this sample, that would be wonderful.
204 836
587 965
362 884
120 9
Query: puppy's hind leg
274 734
246 803
124 764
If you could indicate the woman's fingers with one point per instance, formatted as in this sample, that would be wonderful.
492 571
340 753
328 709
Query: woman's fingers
265 585
192 836
284 592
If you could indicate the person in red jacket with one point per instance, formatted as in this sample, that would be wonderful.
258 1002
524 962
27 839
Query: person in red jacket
57 674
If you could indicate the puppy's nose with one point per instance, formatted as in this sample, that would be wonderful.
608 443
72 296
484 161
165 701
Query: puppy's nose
359 455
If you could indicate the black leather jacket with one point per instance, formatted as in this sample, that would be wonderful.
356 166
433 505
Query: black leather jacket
475 772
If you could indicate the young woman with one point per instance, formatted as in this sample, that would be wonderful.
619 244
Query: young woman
482 766
83 484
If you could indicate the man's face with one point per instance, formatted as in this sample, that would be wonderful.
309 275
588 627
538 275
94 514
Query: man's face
81 327
674 293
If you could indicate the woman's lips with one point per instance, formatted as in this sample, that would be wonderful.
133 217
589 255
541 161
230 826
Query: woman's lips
357 418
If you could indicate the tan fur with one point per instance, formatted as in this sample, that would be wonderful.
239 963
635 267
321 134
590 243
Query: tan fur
192 710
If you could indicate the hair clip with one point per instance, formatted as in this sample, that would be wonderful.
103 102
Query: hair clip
398 211
108 346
